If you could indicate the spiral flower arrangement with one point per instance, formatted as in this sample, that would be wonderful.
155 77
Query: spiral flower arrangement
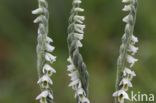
77 67
44 56
127 51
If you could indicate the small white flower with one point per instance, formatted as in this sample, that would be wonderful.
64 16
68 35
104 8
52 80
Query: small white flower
133 49
45 79
121 94
49 48
78 43
37 11
131 60
134 39
127 18
127 8
79 19
48 69
80 92
78 9
129 73
70 60
74 75
126 1
126 83
77 1
70 67
79 28
48 39
44 94
50 57
85 100
78 36
40 18
73 83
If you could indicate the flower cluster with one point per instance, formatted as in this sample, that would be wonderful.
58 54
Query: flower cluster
76 83
44 56
76 27
128 42
79 81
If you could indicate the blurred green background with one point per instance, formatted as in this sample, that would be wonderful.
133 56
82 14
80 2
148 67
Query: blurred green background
104 28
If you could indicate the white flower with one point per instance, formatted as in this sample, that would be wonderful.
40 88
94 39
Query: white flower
48 39
50 57
73 83
127 8
49 48
70 67
79 28
78 9
121 94
133 49
70 60
131 60
85 100
78 36
78 43
40 18
44 95
126 83
134 39
45 79
74 75
77 1
126 1
37 11
127 18
48 69
79 19
80 92
129 73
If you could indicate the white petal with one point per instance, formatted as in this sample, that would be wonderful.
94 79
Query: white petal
79 19
50 96
131 60
75 82
133 73
77 1
44 94
49 48
45 78
126 1
126 19
48 68
78 36
37 11
79 28
49 40
50 57
70 60
78 9
79 44
127 8
38 19
73 73
70 67
115 94
134 39
125 96
133 49
85 100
